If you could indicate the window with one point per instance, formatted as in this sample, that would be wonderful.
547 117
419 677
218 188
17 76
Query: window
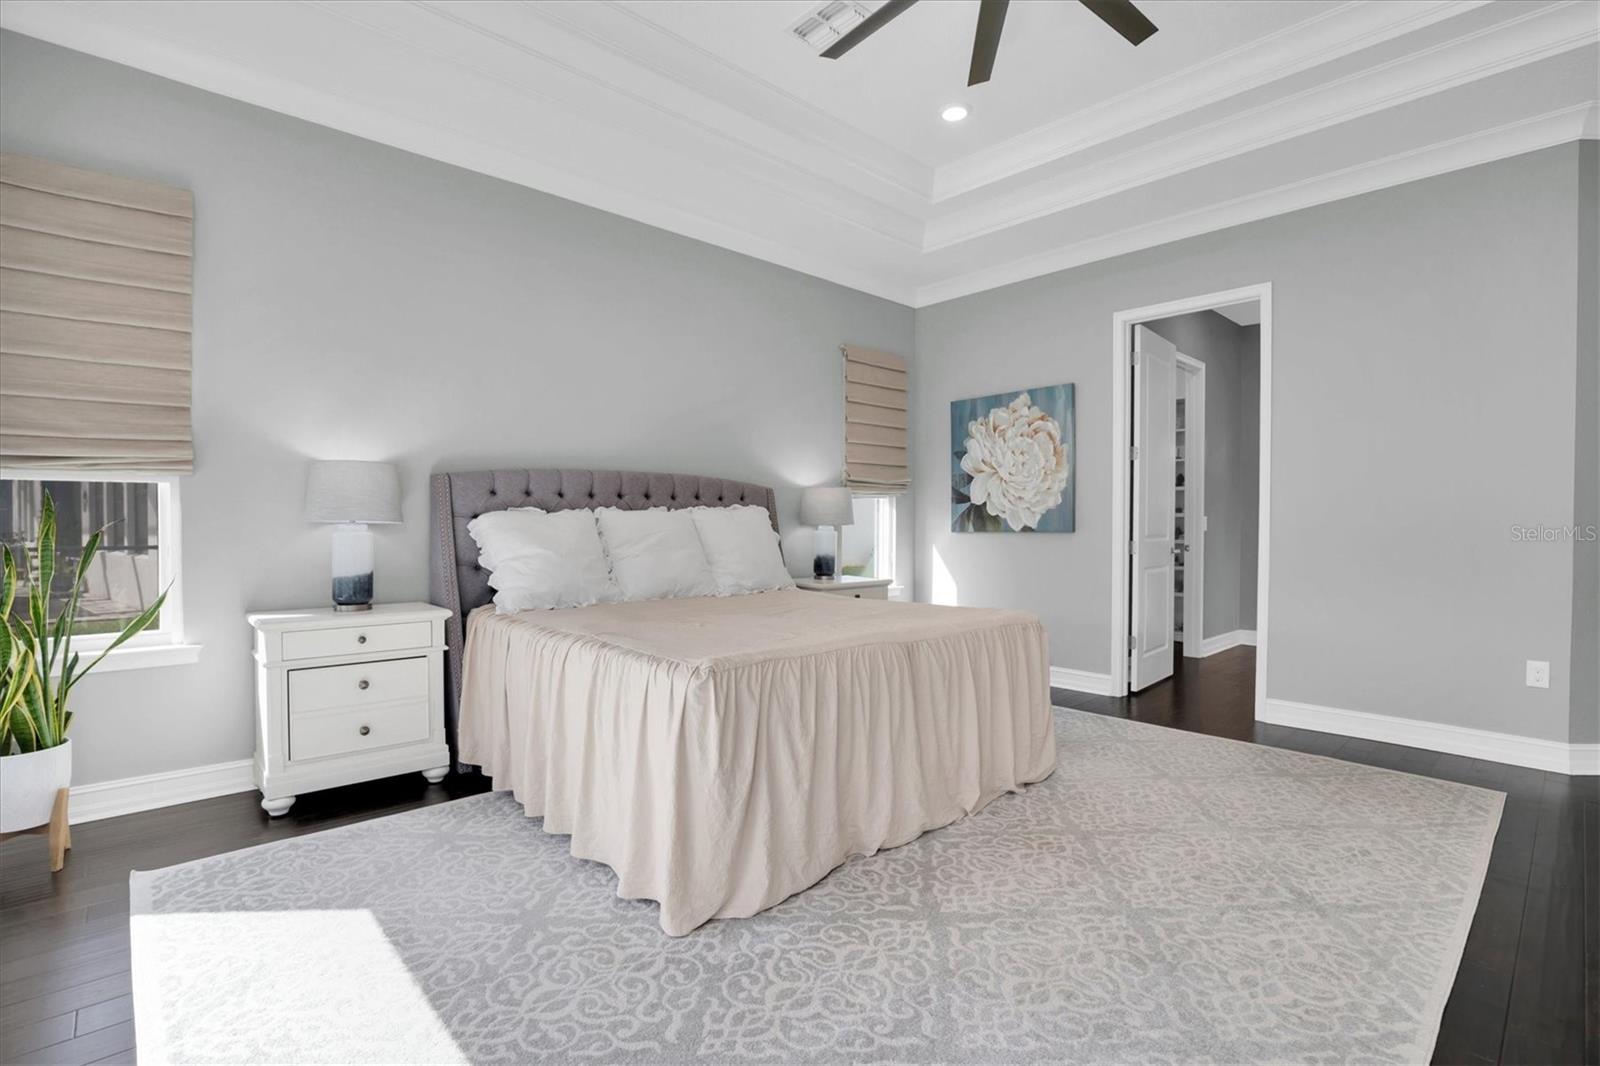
137 558
866 549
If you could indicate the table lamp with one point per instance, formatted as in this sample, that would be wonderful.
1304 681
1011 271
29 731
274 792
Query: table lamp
827 508
352 495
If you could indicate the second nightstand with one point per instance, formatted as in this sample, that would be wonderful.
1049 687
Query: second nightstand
861 588
343 697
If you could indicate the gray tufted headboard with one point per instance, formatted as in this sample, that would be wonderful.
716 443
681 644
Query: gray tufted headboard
455 580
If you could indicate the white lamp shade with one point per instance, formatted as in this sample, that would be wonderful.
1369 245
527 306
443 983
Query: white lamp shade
827 506
341 490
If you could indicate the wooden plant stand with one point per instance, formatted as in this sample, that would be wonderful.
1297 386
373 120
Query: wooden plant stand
59 831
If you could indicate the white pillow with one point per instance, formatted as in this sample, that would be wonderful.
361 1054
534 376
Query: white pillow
742 547
538 559
655 554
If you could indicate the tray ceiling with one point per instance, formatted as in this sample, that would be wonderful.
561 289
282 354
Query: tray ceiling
1056 59
711 120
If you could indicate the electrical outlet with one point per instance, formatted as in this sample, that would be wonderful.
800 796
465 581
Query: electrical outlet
1538 674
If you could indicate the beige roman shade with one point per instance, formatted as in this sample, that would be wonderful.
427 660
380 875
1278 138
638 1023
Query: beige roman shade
875 421
95 320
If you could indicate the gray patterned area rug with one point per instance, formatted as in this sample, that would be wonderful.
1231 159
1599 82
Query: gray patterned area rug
1163 897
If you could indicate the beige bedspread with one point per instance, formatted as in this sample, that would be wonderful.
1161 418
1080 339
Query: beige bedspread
722 754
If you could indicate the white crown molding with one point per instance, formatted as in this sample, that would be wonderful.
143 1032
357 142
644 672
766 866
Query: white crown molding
596 104
752 152
64 25
732 86
658 99
1209 646
1532 752
129 795
1529 38
1342 31
1516 138
1080 680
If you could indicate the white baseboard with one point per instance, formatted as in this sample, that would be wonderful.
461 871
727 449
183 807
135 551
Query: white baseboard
129 795
1585 760
1435 736
1220 642
1080 681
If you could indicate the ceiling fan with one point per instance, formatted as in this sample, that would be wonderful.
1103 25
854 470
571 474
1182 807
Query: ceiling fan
1120 15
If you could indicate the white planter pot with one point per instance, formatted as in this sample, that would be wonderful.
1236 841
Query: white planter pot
29 783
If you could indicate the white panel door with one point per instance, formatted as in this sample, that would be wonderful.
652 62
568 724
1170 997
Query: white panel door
1155 411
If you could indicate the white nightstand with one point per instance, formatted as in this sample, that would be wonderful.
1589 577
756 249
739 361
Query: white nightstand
343 697
861 588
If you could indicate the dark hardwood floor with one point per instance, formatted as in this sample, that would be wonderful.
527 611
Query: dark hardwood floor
64 991
1529 984
1520 995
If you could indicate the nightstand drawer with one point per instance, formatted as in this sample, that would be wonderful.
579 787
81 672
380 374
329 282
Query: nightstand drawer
321 688
356 640
312 736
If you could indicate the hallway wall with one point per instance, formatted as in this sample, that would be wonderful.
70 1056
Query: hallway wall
1232 355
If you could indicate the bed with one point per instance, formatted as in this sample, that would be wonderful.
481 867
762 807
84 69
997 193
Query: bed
723 753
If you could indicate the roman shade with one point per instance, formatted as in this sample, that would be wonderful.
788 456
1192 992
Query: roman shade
875 456
95 320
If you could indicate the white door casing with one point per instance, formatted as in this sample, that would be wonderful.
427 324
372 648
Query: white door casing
1155 383
1122 323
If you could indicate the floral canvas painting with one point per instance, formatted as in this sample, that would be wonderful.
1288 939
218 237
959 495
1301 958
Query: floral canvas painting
1012 462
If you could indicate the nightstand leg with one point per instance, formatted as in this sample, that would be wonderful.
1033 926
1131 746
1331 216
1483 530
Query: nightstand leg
278 807
436 774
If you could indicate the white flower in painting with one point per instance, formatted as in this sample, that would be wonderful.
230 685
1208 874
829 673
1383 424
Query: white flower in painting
1017 462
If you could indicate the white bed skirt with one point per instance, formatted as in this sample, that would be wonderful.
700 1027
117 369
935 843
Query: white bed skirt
723 754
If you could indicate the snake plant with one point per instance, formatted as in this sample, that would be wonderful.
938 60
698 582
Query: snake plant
40 667
17 678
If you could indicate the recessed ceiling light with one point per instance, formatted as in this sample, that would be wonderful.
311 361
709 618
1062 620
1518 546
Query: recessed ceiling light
953 113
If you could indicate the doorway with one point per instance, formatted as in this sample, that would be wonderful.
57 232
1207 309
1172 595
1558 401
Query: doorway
1162 507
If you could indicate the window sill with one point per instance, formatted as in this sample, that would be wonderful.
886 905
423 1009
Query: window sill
900 592
142 657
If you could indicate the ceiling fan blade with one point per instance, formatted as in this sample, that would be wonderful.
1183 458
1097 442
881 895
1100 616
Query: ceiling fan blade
1123 17
867 27
986 42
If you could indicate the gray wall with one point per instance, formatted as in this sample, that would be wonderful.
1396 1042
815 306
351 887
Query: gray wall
1250 472
355 301
1586 459
1233 421
1422 404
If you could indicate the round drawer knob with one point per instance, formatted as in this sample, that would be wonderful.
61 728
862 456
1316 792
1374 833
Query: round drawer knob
362 639
365 730
363 684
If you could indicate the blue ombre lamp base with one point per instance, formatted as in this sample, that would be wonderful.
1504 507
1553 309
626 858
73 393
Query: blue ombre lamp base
352 567
823 563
